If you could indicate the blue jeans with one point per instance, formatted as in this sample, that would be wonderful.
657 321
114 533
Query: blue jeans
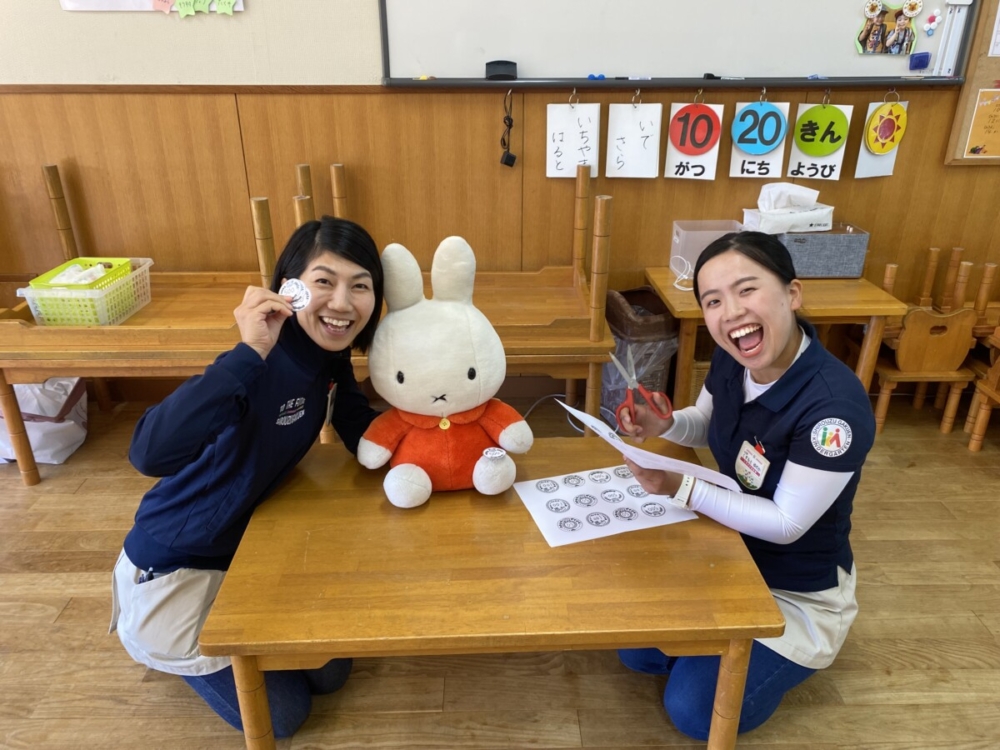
690 692
289 693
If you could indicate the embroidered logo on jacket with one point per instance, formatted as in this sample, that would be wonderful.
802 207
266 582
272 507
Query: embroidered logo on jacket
831 437
291 411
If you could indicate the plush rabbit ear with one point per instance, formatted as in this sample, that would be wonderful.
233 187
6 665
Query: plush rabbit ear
403 284
453 271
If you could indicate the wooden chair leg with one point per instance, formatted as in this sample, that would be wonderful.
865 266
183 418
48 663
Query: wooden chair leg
951 408
886 388
920 395
572 394
970 420
979 429
103 393
942 396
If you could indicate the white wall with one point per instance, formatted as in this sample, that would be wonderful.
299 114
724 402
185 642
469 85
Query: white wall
273 42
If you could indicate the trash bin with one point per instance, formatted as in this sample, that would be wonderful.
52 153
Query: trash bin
639 319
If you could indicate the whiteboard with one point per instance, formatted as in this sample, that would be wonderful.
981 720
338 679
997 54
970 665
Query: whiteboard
570 39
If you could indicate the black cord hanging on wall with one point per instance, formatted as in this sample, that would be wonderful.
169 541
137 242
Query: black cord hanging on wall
507 158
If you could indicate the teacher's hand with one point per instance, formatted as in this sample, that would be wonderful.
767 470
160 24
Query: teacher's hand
646 423
260 317
655 481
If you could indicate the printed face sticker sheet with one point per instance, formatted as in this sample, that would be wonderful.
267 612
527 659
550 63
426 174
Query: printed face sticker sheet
593 504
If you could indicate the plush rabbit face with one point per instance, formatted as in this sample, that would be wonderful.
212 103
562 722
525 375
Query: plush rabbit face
437 356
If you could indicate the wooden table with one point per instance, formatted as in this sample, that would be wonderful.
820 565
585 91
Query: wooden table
328 568
543 320
824 302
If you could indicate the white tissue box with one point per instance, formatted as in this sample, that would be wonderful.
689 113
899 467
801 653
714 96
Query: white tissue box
817 218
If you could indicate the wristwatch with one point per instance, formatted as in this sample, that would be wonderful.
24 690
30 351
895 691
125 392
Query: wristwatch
682 498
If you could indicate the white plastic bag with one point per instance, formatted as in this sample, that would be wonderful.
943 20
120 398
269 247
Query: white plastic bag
55 418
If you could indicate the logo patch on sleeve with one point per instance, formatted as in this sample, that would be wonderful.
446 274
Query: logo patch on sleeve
831 437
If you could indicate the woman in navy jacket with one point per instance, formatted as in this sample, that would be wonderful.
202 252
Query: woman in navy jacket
793 425
222 443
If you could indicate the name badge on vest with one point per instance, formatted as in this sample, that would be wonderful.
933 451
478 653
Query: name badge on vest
751 466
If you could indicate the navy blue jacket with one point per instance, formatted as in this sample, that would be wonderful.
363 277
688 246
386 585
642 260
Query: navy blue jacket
817 415
225 440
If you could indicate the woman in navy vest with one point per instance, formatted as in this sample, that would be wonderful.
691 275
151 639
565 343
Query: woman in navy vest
222 443
793 425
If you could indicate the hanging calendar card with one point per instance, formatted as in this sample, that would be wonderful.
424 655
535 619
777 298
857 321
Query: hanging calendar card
818 141
693 145
884 129
633 140
759 130
572 136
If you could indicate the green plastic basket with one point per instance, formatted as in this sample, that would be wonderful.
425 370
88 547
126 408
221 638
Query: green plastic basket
101 303
117 268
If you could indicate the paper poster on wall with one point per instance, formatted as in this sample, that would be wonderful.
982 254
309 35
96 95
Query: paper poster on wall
818 141
693 143
885 126
133 5
633 140
995 39
889 28
984 134
573 132
758 132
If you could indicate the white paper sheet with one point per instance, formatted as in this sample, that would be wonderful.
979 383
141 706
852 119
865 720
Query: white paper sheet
633 140
696 133
748 125
572 138
594 503
648 460
827 167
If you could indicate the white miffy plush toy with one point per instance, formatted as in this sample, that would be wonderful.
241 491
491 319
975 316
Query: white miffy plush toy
438 362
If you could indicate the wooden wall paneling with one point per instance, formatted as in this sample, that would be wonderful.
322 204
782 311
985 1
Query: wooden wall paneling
419 166
157 175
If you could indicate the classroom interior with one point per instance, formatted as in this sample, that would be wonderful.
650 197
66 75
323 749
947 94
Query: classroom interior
167 170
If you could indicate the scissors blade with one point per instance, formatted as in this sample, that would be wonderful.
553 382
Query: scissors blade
622 370
631 366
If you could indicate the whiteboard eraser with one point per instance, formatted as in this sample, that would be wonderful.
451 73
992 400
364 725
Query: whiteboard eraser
501 70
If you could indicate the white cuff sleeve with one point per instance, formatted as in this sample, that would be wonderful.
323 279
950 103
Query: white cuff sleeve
690 427
802 496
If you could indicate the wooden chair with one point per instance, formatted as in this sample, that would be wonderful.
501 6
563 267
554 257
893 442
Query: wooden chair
986 397
67 238
931 349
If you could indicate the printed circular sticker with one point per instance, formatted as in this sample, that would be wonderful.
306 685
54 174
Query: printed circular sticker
623 472
557 505
546 485
585 501
885 128
298 291
653 510
570 524
600 477
821 130
494 454
612 496
831 437
636 490
598 519
626 514
574 480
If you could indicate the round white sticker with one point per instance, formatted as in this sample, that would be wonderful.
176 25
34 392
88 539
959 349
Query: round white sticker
831 437
298 291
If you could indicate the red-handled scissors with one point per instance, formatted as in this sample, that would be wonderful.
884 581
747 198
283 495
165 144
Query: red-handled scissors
632 384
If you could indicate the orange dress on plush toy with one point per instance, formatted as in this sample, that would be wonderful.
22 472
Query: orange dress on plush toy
447 448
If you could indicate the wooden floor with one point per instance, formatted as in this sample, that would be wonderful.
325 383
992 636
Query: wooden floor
920 670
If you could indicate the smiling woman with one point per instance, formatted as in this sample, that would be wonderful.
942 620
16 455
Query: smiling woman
793 425
225 440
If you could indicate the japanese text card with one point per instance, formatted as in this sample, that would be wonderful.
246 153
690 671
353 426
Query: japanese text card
593 504
633 140
693 145
759 130
573 133
818 141
884 129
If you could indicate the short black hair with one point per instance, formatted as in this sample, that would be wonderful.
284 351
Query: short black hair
341 237
764 249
